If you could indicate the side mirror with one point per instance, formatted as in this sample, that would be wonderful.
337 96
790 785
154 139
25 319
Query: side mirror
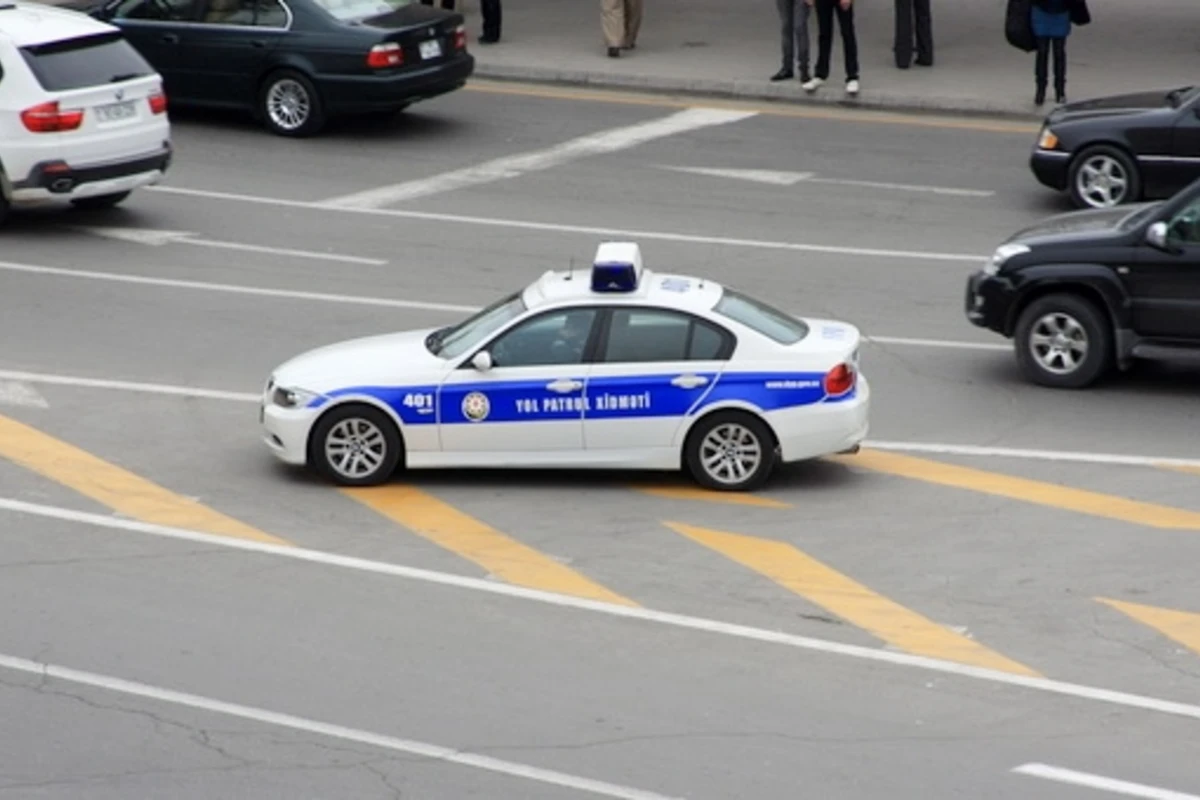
1156 236
482 361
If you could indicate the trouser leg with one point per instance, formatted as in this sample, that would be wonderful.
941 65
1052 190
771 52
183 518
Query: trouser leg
490 11
923 15
845 19
903 42
824 36
787 23
800 16
633 21
612 21
1060 66
1040 63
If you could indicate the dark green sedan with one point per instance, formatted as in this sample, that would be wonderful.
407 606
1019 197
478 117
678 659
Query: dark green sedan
296 63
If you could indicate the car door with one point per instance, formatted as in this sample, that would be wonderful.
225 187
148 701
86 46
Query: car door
1164 284
156 28
652 366
530 399
226 49
1185 148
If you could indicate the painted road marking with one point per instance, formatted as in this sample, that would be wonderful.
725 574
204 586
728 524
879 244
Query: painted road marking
13 393
697 494
1050 495
157 238
424 750
610 141
1091 781
774 109
846 598
587 230
776 178
502 556
114 487
681 621
1180 626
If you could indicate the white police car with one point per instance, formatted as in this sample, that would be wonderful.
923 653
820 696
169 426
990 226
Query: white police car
618 368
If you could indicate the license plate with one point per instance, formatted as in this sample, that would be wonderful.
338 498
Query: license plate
431 49
116 112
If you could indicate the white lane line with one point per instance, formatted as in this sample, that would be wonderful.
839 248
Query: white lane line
609 141
777 178
942 343
115 277
588 230
712 626
904 187
158 238
1111 785
408 746
128 386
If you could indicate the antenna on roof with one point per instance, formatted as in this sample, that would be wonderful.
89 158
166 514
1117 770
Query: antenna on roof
571 269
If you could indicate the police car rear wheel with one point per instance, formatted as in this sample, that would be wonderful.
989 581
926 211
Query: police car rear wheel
356 446
731 452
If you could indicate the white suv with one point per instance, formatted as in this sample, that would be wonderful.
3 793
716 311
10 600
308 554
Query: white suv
83 117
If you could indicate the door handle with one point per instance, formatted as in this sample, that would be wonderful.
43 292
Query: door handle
170 38
689 381
1122 270
257 43
563 386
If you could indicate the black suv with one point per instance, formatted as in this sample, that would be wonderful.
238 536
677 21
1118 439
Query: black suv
1081 292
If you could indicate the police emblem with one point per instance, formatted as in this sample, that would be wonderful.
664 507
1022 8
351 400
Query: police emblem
475 407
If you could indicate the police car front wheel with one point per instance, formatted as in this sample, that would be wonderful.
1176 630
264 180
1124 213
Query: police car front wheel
356 446
730 451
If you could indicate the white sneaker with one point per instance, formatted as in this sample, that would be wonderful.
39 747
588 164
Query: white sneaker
812 85
851 87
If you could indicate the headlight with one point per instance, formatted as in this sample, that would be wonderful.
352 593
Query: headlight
1003 253
1047 141
292 398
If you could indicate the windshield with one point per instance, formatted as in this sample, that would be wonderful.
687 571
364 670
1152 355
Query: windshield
761 317
347 10
455 340
1177 97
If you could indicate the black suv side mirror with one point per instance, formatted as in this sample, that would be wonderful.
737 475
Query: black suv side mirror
1157 236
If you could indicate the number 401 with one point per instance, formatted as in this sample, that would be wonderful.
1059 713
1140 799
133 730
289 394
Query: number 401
416 400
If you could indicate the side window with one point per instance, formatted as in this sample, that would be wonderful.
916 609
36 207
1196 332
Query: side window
559 337
650 335
157 10
270 14
230 12
1185 228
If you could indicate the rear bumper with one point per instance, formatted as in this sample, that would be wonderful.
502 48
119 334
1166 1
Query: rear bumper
1051 168
824 429
355 94
61 180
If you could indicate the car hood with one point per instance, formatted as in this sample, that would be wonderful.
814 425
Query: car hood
369 361
1114 105
1076 225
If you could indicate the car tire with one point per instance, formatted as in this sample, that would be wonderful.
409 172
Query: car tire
289 104
1104 176
100 201
715 467
352 429
1063 341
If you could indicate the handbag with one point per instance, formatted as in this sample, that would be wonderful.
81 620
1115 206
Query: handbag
1018 26
1079 13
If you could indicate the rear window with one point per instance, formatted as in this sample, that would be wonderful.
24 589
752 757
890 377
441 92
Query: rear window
761 317
85 62
346 10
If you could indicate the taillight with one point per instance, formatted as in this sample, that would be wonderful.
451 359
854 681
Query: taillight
839 380
460 37
385 55
158 103
49 118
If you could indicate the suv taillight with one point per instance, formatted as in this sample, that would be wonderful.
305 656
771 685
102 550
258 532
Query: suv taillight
460 37
385 55
839 380
49 118
158 103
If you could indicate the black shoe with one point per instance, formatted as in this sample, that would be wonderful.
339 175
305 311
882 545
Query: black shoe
488 39
1060 98
924 62
783 75
614 52
1040 97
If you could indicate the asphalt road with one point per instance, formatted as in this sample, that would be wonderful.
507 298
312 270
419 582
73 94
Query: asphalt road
981 532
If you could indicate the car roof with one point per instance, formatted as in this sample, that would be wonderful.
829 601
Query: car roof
669 290
29 24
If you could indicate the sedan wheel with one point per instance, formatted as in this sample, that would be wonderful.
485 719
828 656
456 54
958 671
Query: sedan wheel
730 452
1063 341
290 105
1103 177
356 446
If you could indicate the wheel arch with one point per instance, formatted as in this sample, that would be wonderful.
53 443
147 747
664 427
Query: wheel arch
356 400
1095 284
1116 144
689 429
283 63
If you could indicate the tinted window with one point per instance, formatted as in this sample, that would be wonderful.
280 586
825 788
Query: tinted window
645 335
260 13
761 317
271 14
559 337
361 9
156 10
1185 227
454 341
80 63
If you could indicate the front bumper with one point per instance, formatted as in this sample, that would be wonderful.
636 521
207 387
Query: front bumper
988 300
61 180
357 94
286 431
1051 168
824 429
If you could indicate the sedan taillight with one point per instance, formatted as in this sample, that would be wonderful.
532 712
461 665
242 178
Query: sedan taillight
385 55
460 37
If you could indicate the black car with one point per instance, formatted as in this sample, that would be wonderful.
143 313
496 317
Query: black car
1123 149
295 63
1087 290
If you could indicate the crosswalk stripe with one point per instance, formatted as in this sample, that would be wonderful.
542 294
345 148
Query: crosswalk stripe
1023 489
1180 626
502 556
114 487
844 597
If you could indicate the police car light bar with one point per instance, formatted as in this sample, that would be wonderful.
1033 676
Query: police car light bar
617 267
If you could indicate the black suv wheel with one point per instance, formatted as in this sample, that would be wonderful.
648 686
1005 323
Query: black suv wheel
1063 341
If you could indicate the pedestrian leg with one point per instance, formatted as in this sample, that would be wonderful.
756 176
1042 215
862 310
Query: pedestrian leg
490 11
633 22
801 15
845 20
902 44
924 31
787 22
1039 69
1060 70
612 21
824 43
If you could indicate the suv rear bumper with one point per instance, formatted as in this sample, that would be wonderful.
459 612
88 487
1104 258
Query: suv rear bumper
60 180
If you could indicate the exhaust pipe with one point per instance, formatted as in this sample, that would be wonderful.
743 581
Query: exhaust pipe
61 185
